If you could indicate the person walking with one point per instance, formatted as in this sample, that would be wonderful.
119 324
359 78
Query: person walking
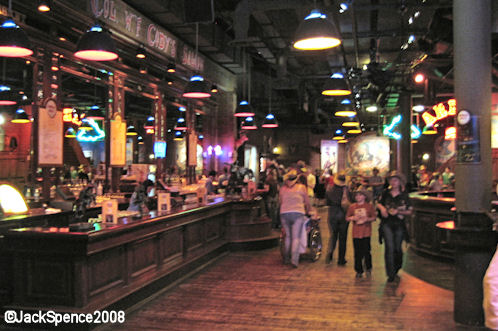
361 214
294 205
338 202
394 207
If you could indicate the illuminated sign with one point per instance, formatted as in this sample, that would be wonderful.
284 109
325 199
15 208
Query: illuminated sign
70 115
441 111
149 131
84 135
389 129
160 149
450 133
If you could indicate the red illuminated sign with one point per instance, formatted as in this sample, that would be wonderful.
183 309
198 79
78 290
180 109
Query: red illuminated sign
70 116
441 112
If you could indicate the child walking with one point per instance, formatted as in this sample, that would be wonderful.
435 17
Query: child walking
362 214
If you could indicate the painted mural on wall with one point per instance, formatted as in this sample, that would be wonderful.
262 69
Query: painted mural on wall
366 152
444 149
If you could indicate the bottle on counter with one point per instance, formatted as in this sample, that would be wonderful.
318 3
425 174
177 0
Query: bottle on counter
37 194
100 189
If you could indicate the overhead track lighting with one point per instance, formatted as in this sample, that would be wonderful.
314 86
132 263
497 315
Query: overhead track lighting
96 45
316 32
336 86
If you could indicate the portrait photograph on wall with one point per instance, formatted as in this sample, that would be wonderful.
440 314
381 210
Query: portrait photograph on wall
328 149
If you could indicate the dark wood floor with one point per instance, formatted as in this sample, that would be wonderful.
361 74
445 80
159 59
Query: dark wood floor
253 290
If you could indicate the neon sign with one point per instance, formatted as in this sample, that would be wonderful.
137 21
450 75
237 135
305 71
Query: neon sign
450 133
83 135
441 112
388 130
70 115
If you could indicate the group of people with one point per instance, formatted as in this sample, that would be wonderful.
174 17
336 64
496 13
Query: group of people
350 202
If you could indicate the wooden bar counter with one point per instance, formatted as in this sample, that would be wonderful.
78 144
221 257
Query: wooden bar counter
85 271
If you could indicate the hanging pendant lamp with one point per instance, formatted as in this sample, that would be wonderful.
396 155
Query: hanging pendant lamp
338 135
345 109
178 135
149 124
336 86
13 40
181 124
249 124
356 130
95 113
316 32
141 53
70 133
131 131
96 45
244 109
20 117
270 122
196 88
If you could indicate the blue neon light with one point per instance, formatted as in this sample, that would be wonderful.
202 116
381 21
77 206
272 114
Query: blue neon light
82 135
416 133
388 130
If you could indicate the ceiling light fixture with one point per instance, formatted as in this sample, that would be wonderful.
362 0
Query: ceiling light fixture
171 68
181 124
196 88
418 108
149 124
371 108
96 45
43 6
131 131
249 124
244 109
316 32
13 41
70 133
350 124
141 53
214 88
336 86
270 121
20 117
178 135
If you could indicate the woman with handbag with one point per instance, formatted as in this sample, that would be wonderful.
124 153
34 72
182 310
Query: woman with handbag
338 201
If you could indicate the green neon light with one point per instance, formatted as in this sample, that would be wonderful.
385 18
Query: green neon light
84 136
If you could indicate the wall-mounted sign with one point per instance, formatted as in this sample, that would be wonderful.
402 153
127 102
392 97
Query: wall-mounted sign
118 141
441 110
50 135
468 141
328 155
450 133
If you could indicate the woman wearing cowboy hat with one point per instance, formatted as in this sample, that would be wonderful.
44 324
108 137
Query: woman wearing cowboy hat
294 205
394 206
338 226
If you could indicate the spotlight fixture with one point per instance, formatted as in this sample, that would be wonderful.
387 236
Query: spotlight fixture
131 131
171 68
244 109
270 122
249 124
419 78
196 88
43 6
70 133
316 32
20 117
141 54
336 86
96 45
13 40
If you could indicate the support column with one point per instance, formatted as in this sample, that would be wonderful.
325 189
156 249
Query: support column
405 144
473 238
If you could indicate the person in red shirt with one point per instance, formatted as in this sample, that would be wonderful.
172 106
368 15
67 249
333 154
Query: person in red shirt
362 214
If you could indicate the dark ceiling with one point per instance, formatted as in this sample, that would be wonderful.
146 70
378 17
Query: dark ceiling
375 54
